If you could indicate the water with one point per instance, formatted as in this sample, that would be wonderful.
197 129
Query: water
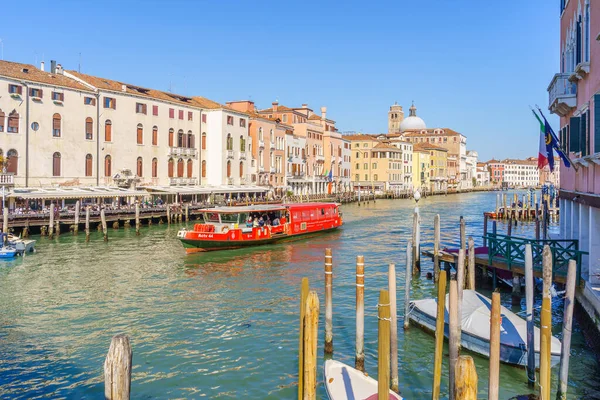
224 324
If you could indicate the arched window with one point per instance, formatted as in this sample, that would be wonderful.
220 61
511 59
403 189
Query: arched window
56 126
12 162
155 135
108 131
229 142
107 166
170 168
204 168
242 143
180 138
140 134
154 167
2 115
13 122
271 136
190 140
56 164
190 166
260 134
88 165
139 167
171 133
203 140
241 169
229 169
89 128
180 168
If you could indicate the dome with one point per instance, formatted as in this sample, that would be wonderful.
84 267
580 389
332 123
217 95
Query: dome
412 122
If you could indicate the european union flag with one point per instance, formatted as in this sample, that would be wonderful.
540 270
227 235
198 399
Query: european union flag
552 143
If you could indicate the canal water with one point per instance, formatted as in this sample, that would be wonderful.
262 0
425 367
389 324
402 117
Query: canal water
224 324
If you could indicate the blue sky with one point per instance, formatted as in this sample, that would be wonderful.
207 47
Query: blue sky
471 66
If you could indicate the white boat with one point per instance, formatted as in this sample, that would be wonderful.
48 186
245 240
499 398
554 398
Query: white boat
346 383
476 314
7 252
21 245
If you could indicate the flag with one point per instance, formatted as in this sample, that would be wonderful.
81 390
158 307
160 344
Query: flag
554 143
543 156
330 176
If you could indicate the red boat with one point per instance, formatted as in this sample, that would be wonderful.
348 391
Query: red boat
236 227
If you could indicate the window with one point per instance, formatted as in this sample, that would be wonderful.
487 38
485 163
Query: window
180 168
139 167
2 115
366 166
190 167
58 96
357 166
229 142
155 135
241 169
181 115
374 165
284 118
171 134
89 101
88 165
38 93
170 168
155 110
204 118
12 162
229 169
366 177
13 122
242 143
89 128
260 134
357 178
271 136
107 166
229 120
56 164
242 122
140 134
109 102
15 89
180 138
203 140
190 116
141 108
375 177
56 126
108 131
171 113
204 168
154 167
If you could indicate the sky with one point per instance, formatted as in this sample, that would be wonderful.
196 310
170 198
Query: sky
470 65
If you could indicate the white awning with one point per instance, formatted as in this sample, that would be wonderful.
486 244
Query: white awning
74 193
223 189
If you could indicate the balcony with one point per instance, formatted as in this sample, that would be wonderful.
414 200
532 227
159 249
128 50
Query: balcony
562 95
261 144
261 169
183 152
229 181
230 154
242 155
182 181
581 71
7 179
320 158
272 145
272 170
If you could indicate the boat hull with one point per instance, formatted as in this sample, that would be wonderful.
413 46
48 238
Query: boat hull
343 382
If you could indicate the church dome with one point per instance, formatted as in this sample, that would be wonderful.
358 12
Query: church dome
412 122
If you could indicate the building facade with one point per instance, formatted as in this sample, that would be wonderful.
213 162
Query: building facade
520 173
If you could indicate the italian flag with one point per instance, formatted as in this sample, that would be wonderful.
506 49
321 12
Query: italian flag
543 150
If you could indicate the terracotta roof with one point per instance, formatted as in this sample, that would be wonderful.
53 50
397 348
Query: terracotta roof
207 103
429 146
385 146
481 164
15 70
360 136
279 108
314 117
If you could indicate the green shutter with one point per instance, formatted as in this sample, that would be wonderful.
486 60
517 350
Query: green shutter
574 142
596 123
583 134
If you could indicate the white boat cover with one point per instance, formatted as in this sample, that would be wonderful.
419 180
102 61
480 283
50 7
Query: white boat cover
346 383
476 314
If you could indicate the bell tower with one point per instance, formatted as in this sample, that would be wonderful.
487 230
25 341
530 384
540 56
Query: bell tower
395 117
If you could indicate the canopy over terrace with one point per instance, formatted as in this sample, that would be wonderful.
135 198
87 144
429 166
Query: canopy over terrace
205 190
74 193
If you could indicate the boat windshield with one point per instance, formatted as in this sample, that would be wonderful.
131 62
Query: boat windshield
228 218
211 217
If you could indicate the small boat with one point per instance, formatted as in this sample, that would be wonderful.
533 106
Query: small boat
343 382
476 328
21 245
7 252
237 227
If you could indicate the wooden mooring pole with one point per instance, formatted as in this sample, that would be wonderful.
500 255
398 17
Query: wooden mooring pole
77 212
454 337
168 214
311 330
383 346
87 224
187 212
407 278
439 336
485 229
51 223
466 379
117 369
328 302
494 380
104 228
137 218
303 296
436 247
529 316
359 361
460 281
567 325
546 326
416 263
393 328
463 233
471 265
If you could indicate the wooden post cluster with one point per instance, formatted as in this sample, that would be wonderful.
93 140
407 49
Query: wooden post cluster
454 336
104 228
303 296
77 211
407 279
117 369
311 329
439 336
465 387
393 328
383 346
546 326
529 316
51 223
328 302
567 325
137 218
436 247
494 380
471 269
359 362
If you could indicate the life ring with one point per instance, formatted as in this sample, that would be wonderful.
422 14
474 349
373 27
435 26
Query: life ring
225 229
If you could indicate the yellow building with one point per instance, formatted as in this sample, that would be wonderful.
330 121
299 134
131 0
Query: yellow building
438 167
421 167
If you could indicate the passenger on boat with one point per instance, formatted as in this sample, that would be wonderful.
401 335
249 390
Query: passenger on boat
255 222
261 221
249 222
276 222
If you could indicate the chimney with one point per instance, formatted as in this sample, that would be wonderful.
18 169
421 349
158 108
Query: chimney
42 66
304 105
275 104
59 69
124 87
324 112
53 66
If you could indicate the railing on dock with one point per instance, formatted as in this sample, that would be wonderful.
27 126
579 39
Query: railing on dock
511 251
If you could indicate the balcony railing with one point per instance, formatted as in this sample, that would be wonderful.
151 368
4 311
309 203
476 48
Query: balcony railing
272 145
272 170
261 144
182 152
182 181
242 155
320 158
230 154
261 169
7 179
562 95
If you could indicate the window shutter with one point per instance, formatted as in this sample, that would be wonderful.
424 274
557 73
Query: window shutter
114 104
596 123
20 89
574 142
145 109
41 93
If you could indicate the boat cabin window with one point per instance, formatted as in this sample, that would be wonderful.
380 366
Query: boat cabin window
228 218
211 217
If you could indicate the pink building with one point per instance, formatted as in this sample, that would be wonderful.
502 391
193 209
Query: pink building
574 95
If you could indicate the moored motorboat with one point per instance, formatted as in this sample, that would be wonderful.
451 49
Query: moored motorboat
237 227
7 252
475 323
343 382
21 245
